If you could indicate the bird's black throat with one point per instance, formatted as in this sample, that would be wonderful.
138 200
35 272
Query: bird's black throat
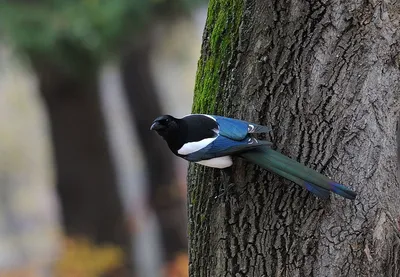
174 134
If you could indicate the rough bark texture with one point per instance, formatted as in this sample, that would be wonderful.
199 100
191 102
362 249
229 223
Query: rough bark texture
164 196
86 182
326 77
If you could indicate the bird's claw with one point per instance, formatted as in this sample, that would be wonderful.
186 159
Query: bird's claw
226 191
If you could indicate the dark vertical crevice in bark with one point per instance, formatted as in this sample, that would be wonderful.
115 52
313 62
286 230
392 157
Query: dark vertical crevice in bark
145 105
86 182
321 75
398 146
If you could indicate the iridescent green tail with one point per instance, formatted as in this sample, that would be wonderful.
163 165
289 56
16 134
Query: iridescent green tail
294 171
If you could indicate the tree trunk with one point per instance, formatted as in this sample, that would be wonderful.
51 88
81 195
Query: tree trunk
86 182
164 196
326 77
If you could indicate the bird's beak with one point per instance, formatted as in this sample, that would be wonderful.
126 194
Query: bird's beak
155 126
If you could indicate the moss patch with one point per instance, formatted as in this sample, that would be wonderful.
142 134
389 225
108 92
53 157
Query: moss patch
220 38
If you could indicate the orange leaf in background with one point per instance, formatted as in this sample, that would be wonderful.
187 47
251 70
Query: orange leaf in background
82 258
29 271
179 267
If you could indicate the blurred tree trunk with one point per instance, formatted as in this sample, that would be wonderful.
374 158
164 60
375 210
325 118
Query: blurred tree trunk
326 76
165 198
86 182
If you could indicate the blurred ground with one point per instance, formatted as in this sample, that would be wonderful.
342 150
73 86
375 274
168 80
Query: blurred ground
29 224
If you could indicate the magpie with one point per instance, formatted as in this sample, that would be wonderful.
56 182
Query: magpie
212 140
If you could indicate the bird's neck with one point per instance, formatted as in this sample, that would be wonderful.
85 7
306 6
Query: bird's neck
173 143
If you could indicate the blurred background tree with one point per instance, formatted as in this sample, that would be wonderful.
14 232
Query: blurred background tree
66 43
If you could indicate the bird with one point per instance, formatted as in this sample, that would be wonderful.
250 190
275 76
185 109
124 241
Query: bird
213 140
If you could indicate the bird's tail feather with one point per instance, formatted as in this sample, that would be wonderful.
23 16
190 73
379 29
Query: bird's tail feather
292 170
260 129
320 192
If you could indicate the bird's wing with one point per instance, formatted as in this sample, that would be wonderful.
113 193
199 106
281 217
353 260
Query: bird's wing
237 129
224 146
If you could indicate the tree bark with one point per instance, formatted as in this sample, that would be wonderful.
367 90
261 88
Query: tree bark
164 194
326 77
86 182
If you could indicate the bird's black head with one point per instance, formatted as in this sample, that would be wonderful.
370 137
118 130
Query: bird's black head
165 125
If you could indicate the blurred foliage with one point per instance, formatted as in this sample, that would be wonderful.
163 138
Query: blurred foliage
179 267
83 258
92 28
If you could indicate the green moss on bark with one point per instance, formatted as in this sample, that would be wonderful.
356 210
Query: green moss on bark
220 38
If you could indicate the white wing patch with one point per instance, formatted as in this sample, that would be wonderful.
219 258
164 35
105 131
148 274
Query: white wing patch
220 162
191 147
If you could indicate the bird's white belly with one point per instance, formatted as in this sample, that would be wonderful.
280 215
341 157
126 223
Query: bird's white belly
220 162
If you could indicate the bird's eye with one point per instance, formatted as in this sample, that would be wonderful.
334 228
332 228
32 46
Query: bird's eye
167 120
